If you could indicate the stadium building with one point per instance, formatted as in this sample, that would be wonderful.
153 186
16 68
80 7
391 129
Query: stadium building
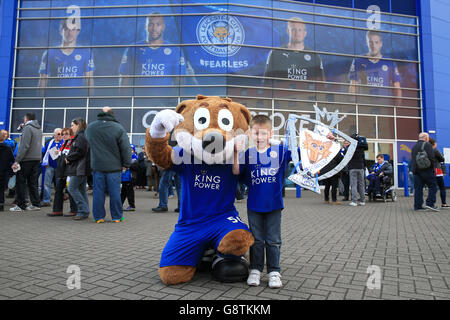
383 64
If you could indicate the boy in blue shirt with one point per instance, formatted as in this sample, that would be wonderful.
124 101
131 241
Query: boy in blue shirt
263 170
127 190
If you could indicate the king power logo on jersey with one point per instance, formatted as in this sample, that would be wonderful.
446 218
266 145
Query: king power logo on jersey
204 181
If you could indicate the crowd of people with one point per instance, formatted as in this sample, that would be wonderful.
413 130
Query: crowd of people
76 159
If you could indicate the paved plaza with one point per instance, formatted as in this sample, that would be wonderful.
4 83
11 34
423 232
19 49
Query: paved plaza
325 254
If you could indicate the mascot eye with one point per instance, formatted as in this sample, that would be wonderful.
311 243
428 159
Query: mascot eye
201 119
226 120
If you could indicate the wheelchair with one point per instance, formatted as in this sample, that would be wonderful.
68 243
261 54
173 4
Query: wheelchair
387 191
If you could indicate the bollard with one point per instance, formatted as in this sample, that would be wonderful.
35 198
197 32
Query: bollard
299 191
405 178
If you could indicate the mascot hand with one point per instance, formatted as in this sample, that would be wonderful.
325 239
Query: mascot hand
164 122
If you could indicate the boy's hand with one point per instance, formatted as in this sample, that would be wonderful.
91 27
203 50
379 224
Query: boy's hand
238 145
330 136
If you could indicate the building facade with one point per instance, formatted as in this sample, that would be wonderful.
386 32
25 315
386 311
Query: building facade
380 63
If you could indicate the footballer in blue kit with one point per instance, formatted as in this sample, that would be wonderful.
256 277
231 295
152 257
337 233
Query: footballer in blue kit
153 58
207 211
375 72
68 66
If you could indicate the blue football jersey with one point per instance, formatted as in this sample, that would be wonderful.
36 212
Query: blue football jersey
383 73
264 173
207 191
55 63
146 61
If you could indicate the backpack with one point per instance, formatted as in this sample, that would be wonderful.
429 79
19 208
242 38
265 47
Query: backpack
422 160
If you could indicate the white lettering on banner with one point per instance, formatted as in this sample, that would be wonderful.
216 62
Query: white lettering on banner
153 69
224 64
65 72
374 20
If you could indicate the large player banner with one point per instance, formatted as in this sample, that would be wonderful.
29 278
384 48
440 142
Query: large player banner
224 34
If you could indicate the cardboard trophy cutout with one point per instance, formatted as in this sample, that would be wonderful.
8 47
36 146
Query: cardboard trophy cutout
315 148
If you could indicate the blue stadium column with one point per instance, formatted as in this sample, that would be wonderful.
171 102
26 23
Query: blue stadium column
8 12
435 56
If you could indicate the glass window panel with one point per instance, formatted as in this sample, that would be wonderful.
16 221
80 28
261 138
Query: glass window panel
34 33
387 149
18 115
157 102
386 129
370 155
65 103
297 106
124 117
72 114
138 141
366 126
348 125
28 103
408 129
110 102
92 114
53 119
408 112
375 110
142 119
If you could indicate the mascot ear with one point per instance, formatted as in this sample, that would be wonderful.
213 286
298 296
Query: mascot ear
201 97
184 105
246 113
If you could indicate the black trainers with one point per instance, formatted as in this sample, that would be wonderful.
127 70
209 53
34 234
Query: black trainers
177 210
432 208
160 209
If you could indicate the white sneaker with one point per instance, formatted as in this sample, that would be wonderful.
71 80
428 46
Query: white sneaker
353 204
275 280
16 209
32 208
254 277
362 203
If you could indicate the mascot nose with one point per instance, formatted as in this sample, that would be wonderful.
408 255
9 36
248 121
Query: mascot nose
213 142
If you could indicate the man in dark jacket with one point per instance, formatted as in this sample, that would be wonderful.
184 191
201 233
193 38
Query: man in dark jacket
424 176
6 160
28 159
356 168
110 153
381 171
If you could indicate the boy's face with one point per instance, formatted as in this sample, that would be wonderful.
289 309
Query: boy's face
261 134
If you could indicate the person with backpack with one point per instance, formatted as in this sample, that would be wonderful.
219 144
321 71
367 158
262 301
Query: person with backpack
440 171
422 166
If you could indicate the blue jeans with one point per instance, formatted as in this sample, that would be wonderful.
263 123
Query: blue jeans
107 181
48 179
164 182
422 178
77 189
266 229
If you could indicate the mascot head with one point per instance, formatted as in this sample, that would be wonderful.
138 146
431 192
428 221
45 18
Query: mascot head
211 127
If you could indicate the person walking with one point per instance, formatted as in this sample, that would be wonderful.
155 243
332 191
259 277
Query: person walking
110 152
78 168
440 170
423 165
28 164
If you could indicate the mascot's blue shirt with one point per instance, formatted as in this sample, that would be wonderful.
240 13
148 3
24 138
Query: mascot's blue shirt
207 191
264 174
